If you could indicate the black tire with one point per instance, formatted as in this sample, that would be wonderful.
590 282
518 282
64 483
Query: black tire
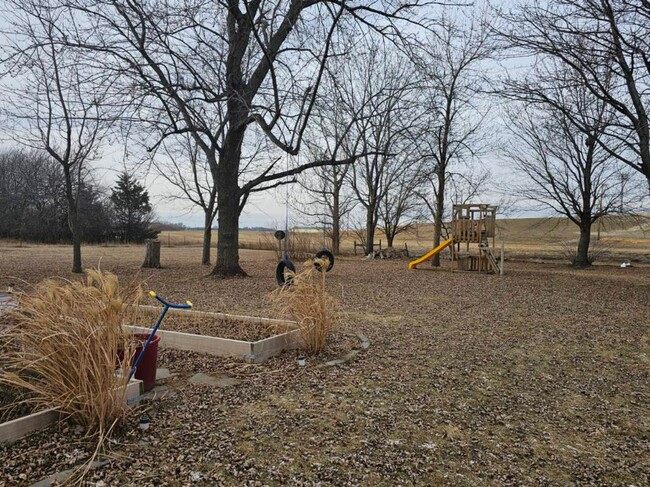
280 270
327 255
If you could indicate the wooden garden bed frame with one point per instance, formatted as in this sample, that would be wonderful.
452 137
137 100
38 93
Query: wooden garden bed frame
13 430
255 352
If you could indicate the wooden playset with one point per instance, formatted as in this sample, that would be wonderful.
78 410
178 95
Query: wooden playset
470 224
474 224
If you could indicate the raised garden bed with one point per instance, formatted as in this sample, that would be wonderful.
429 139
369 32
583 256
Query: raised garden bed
248 337
19 419
16 428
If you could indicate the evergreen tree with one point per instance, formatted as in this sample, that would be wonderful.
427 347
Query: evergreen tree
132 211
95 215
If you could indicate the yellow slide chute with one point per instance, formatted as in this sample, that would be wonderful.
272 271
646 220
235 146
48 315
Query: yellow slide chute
413 264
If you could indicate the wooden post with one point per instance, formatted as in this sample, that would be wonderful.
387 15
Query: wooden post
501 263
152 257
355 247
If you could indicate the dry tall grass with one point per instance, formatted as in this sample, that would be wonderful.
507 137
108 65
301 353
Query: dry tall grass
307 302
301 245
264 241
63 348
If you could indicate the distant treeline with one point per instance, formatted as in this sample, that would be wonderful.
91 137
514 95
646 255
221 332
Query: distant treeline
33 203
178 227
171 227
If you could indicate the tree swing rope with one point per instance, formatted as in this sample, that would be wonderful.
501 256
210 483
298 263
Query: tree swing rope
285 268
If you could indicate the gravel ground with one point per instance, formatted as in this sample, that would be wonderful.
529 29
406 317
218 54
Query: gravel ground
539 377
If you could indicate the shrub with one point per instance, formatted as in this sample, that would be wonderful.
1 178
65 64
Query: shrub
63 348
307 302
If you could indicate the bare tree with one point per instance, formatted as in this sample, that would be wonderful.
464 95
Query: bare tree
216 69
400 205
33 204
606 44
326 201
56 105
32 194
451 129
382 92
182 164
327 196
564 164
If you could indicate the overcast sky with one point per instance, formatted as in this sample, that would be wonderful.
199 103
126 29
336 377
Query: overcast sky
262 209
267 209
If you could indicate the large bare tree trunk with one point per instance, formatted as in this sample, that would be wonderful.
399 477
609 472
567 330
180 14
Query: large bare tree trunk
582 254
228 237
336 236
644 139
228 201
439 213
336 223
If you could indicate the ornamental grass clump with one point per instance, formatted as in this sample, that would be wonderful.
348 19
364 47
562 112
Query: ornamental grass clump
64 344
307 302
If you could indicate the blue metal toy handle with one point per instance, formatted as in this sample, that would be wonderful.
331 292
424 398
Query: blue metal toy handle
166 306
187 305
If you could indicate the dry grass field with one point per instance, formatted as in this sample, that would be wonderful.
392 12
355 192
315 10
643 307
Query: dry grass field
538 377
523 238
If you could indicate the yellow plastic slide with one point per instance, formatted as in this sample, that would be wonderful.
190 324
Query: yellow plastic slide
413 264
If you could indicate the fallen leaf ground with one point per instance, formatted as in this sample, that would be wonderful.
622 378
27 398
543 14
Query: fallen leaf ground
538 377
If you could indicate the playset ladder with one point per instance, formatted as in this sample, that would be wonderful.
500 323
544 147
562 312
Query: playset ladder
487 251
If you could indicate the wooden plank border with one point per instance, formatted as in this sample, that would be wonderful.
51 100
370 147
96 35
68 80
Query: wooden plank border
264 349
254 352
13 430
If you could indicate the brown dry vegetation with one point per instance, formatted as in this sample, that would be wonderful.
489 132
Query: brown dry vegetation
306 300
62 347
539 377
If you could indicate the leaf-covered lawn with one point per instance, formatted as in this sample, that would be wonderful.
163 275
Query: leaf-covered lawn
539 377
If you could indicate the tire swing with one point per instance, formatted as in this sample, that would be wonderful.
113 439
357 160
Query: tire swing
285 270
285 267
324 254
